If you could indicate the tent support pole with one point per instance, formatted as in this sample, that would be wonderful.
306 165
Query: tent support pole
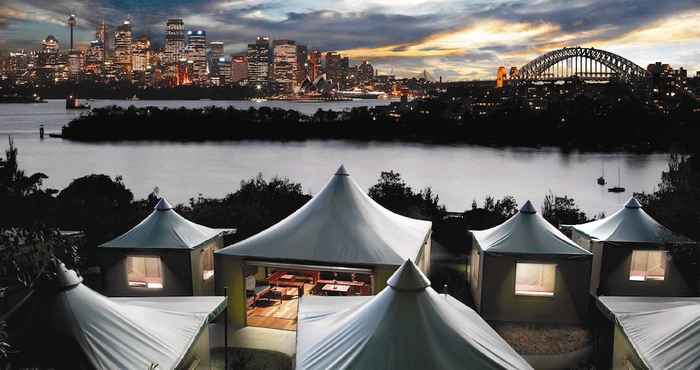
226 330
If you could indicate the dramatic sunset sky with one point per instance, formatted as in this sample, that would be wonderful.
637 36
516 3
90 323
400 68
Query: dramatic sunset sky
458 40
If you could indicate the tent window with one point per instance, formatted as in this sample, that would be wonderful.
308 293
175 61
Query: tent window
207 261
535 279
475 265
648 265
144 272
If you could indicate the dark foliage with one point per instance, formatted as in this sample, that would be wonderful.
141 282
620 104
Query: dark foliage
562 211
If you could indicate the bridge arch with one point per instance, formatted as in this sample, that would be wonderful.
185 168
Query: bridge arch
587 63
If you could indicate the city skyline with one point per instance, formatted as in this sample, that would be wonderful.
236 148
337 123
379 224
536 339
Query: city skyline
460 41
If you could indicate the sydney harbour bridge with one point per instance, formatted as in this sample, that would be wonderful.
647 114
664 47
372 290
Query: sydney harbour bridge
587 64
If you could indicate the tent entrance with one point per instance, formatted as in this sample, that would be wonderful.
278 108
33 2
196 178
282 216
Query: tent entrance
273 290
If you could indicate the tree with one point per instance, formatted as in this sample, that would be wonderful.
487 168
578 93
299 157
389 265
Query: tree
394 194
562 211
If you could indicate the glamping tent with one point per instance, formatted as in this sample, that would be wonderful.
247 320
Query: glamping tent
654 332
70 326
631 255
408 325
525 270
164 255
341 231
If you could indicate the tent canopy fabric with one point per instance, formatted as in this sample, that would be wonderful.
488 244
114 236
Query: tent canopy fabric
165 229
630 225
527 232
115 335
664 331
408 325
340 225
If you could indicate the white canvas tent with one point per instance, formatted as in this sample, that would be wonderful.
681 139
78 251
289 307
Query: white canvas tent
528 233
661 332
126 333
629 225
165 229
340 225
406 326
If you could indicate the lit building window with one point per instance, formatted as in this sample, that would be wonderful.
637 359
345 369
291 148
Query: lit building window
144 272
535 279
648 265
207 262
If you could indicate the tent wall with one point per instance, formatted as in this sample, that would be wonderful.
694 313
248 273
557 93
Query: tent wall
176 271
230 273
199 285
597 250
615 270
581 239
568 305
381 275
199 353
423 259
624 356
475 269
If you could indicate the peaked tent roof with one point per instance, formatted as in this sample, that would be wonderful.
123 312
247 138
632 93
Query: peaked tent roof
115 335
527 232
164 229
664 331
630 225
340 225
408 325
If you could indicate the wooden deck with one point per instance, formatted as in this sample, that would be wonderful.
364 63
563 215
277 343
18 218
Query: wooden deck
276 314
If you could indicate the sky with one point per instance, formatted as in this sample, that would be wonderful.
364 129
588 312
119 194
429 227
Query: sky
458 40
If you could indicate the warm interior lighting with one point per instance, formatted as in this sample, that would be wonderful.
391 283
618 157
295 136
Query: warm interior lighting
535 279
207 262
144 272
648 265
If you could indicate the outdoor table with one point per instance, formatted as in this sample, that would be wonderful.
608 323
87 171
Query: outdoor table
336 288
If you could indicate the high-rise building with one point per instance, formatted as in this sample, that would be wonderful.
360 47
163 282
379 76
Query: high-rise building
75 64
314 64
49 52
365 72
174 41
101 36
122 45
197 53
337 68
259 62
94 56
239 68
302 62
216 51
501 76
71 23
17 64
223 71
141 53
284 65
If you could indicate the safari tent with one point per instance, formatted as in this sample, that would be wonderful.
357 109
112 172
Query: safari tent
164 255
340 242
66 325
654 332
408 325
632 255
525 270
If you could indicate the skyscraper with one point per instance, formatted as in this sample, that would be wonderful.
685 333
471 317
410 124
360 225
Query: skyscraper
302 62
333 68
141 54
284 67
197 53
71 23
101 36
314 64
239 68
216 51
174 40
94 56
259 62
48 58
122 45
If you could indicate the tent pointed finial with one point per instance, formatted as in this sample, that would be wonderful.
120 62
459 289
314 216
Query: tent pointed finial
633 203
342 171
65 277
528 208
163 205
408 278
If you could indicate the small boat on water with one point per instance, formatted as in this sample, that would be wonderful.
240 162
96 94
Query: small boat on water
601 180
618 188
72 102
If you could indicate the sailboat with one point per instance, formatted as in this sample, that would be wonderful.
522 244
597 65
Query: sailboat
618 188
601 179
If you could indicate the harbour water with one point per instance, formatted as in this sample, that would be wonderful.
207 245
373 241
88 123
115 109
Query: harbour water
457 173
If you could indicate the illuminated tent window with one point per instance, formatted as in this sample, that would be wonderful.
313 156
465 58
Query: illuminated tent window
535 279
144 272
648 265
207 262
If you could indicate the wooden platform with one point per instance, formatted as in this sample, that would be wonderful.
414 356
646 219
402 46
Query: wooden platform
277 314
